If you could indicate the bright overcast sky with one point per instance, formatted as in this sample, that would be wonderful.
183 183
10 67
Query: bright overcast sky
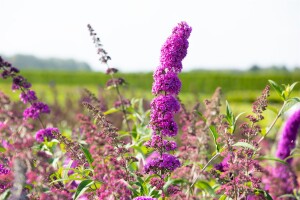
226 33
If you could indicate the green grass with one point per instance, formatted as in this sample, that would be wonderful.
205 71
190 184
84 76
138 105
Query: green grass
195 82
239 87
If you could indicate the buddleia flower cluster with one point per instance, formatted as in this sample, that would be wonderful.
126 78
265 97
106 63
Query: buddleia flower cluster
166 87
281 174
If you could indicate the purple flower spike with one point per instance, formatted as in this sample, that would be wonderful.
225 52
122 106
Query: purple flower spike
288 137
175 48
45 133
168 82
35 110
283 174
166 162
164 104
157 142
170 145
28 96
166 87
20 81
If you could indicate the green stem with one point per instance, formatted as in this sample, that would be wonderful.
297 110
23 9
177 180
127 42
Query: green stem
207 164
120 98
273 123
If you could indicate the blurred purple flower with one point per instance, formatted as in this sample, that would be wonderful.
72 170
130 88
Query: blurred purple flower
288 137
165 162
35 110
45 133
3 170
28 96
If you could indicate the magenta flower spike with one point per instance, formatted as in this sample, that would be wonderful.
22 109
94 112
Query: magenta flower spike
286 144
166 87
288 138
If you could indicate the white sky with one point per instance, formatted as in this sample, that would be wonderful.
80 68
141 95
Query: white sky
226 33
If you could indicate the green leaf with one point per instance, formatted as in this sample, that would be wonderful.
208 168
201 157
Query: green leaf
277 88
245 145
230 118
223 197
238 116
294 150
201 115
292 156
96 185
229 113
88 155
28 187
288 90
265 193
293 85
290 103
2 149
272 159
110 111
295 99
215 135
82 187
287 196
205 186
5 194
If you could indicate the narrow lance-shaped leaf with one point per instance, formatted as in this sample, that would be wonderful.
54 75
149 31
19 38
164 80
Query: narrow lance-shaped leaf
230 118
245 145
278 88
88 155
201 115
82 187
205 186
215 135
2 149
272 159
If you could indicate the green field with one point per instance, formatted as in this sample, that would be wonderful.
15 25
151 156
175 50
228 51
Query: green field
239 88
236 86
203 82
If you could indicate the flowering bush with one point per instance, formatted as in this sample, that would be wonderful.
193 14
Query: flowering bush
171 151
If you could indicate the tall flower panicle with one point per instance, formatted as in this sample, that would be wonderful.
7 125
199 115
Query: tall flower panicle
282 174
113 82
166 82
175 48
27 95
236 180
288 138
166 87
23 142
